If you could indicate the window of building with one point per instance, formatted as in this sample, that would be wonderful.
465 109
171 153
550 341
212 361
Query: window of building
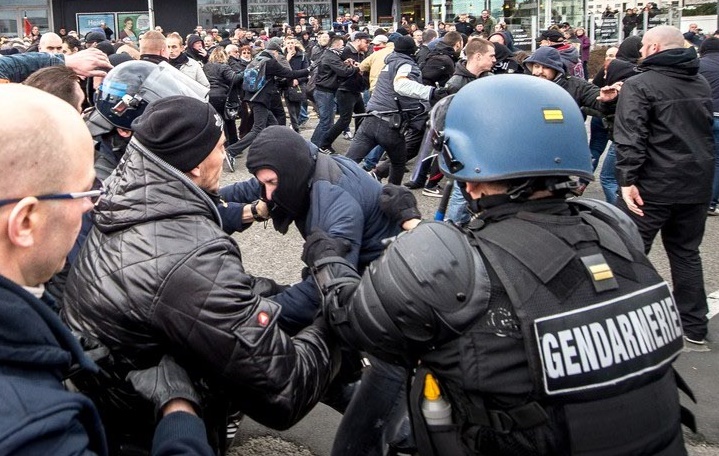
319 9
12 16
218 16
267 14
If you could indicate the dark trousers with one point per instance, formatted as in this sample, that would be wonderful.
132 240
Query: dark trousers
293 109
413 142
277 108
682 230
229 126
263 117
347 104
374 131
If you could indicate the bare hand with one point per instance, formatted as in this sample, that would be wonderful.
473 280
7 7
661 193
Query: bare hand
633 199
88 63
262 210
609 93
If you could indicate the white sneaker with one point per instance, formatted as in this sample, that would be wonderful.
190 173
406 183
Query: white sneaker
348 135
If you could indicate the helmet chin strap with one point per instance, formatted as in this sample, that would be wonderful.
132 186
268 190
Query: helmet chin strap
523 191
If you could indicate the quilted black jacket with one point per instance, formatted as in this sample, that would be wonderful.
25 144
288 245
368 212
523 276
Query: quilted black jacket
158 275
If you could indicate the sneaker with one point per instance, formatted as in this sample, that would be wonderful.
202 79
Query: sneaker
432 192
695 345
232 427
374 176
412 185
230 162
712 210
348 135
327 150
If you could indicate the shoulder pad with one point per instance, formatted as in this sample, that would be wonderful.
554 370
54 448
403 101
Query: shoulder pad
432 268
610 211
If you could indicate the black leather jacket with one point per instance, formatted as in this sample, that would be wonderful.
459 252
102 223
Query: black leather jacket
158 275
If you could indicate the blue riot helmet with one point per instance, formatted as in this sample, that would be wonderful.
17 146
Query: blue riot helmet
539 132
130 87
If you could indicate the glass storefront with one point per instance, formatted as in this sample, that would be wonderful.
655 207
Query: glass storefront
219 16
267 14
319 9
12 16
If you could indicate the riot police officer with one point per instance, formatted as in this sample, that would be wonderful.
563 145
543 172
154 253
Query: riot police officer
122 97
545 325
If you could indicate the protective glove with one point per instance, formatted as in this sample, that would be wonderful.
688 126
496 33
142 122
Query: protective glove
320 245
162 383
398 204
437 94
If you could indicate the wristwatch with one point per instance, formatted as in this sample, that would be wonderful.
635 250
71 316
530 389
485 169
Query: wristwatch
256 215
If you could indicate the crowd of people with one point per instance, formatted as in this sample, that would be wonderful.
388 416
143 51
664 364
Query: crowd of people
533 313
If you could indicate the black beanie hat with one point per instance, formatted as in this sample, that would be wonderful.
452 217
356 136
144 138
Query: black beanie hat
180 130
405 45
288 154
709 45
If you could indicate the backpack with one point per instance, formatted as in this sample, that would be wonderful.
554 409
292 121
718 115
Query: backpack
254 78
312 78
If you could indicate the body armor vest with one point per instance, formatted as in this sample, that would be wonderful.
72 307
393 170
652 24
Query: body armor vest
574 352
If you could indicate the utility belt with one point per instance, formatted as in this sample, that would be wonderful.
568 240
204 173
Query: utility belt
586 426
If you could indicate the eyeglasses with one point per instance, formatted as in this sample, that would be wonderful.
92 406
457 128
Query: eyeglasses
94 194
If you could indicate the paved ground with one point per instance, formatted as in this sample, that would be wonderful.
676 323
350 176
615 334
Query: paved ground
313 436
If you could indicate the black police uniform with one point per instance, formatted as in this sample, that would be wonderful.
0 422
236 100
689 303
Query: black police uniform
549 330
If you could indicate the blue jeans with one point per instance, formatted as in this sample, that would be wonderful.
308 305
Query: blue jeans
325 103
372 158
598 140
304 115
715 192
457 211
607 175
375 415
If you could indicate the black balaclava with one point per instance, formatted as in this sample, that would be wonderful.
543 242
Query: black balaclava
289 155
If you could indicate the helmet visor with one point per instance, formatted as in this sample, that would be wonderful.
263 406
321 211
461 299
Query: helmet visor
166 81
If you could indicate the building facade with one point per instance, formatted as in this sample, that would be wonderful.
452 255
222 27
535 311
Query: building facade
523 16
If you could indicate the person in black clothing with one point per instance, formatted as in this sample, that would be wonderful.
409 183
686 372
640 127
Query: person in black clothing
331 71
464 24
665 163
439 66
196 49
297 57
261 100
423 50
222 78
349 91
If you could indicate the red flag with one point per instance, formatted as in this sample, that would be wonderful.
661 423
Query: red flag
28 27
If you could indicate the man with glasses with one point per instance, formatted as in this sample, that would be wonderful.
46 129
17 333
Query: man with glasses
40 215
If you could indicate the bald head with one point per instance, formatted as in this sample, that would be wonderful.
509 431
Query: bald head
43 138
48 151
661 38
50 43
